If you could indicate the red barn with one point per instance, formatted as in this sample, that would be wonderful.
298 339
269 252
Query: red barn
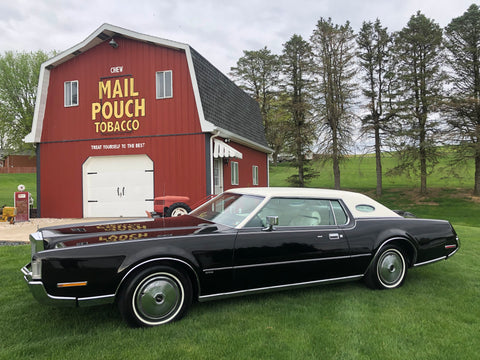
123 117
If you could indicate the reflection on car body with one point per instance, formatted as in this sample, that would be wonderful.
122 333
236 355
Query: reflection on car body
242 241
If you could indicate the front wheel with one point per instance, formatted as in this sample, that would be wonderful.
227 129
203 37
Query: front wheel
388 269
155 296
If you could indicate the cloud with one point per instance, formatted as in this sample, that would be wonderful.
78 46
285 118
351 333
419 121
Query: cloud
219 30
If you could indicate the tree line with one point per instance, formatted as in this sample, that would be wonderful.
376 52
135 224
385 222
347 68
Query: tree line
410 91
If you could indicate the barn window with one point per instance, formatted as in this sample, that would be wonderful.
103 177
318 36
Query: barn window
255 175
163 80
234 173
71 93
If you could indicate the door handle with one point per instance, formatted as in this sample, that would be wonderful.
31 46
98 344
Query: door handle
121 193
335 236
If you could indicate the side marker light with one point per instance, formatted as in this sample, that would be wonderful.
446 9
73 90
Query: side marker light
72 284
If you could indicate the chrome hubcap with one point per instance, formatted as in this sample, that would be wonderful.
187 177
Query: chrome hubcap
158 298
391 268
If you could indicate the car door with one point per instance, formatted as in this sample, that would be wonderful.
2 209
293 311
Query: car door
306 246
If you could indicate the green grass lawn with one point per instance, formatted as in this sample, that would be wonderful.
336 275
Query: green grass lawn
435 315
9 184
358 172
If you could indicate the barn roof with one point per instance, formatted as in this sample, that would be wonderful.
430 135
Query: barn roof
225 104
223 108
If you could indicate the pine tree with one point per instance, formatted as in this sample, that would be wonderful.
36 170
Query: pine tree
334 54
420 79
374 54
296 86
462 39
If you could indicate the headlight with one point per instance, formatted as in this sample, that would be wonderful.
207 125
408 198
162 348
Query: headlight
36 269
36 239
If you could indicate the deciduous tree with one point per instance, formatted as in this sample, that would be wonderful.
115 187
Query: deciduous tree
257 73
19 74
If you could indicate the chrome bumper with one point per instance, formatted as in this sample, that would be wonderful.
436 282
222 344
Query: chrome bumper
39 292
41 295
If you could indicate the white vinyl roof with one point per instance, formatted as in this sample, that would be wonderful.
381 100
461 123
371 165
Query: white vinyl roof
353 200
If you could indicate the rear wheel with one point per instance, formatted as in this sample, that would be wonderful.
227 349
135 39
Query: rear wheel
388 269
177 209
155 296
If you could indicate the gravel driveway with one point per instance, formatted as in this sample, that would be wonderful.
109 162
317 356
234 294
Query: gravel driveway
16 234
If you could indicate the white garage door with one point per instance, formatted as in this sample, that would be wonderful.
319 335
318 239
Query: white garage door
115 186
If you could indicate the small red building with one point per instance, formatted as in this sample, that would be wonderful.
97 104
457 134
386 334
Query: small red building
17 163
123 117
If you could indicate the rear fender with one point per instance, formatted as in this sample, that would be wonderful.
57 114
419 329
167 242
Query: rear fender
403 241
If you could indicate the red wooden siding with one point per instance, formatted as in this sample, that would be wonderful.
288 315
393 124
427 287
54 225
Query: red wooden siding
178 170
250 158
163 116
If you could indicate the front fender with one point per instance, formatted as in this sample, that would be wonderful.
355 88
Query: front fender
157 260
168 251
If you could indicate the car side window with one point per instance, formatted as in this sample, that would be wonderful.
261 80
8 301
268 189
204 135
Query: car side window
296 212
340 216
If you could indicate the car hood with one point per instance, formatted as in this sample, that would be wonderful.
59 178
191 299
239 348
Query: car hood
124 230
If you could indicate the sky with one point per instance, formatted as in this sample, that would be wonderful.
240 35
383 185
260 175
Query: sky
220 30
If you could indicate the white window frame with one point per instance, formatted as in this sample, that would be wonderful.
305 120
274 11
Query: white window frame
69 95
164 84
235 173
255 175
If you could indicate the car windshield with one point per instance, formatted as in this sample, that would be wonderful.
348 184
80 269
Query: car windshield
228 208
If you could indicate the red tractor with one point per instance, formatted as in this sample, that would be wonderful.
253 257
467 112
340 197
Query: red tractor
171 205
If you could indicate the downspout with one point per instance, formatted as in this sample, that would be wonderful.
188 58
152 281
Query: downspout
216 133
268 170
39 191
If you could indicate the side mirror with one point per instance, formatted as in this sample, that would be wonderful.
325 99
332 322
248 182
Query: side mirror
271 222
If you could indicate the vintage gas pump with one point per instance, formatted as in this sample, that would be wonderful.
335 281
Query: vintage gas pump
22 204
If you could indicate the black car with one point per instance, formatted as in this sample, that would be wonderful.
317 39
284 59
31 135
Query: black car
243 241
